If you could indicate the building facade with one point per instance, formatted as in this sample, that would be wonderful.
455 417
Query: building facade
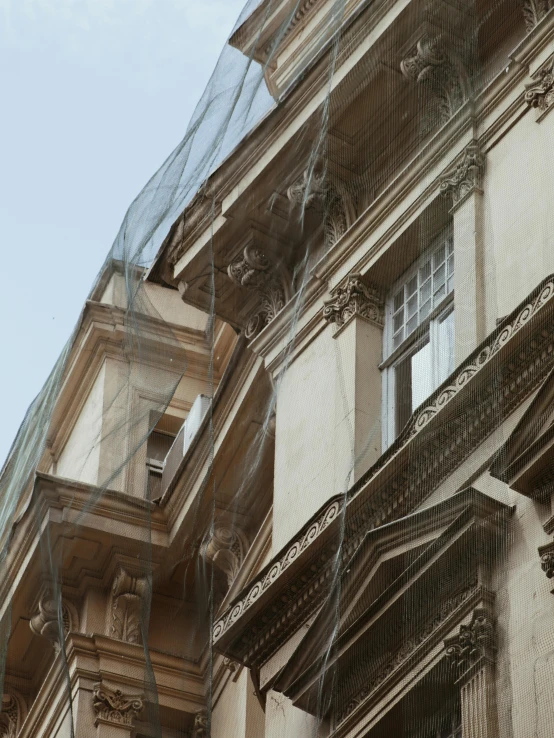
351 534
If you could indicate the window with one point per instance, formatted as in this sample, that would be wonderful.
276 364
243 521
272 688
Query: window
419 334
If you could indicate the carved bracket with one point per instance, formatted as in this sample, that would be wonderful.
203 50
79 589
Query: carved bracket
465 177
355 298
474 643
433 67
127 600
200 729
10 717
255 270
534 11
226 550
539 94
45 622
113 706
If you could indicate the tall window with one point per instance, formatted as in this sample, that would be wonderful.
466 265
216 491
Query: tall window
419 334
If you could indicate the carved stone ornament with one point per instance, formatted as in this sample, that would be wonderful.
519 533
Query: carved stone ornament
539 94
534 11
113 706
313 190
465 177
45 622
127 599
254 270
473 643
9 717
200 729
226 550
547 563
430 65
355 298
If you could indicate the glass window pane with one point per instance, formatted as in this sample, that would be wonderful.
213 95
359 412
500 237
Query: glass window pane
426 291
439 294
412 306
425 310
451 265
398 321
397 339
422 375
399 299
411 325
450 245
403 393
438 277
425 271
445 347
411 287
438 257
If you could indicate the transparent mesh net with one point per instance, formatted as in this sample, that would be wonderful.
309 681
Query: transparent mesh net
335 548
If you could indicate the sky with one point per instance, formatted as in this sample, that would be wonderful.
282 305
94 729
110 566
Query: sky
94 96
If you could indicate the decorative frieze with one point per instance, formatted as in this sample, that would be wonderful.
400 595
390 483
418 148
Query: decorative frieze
112 706
465 177
9 717
128 593
539 94
431 66
473 644
254 270
226 551
46 622
533 12
355 298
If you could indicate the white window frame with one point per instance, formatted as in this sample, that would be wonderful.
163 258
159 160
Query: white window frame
426 331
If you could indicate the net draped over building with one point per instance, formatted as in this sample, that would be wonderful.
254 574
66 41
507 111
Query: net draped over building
292 475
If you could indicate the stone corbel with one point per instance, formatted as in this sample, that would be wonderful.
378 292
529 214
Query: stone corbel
256 270
226 550
355 298
128 593
200 727
465 177
45 621
534 11
431 65
314 190
113 707
539 94
10 716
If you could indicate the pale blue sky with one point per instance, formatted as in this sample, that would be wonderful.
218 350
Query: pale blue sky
95 94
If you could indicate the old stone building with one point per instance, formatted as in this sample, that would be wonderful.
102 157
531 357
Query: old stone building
336 521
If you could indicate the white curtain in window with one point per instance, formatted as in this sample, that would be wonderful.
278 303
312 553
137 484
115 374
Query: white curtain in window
422 375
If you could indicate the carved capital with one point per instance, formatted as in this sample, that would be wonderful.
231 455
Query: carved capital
464 177
547 563
474 643
539 94
432 66
254 270
355 298
127 600
200 729
113 706
533 12
9 717
47 623
226 551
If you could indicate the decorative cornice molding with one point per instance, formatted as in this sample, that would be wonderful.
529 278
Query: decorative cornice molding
46 621
355 298
534 11
255 270
465 177
431 65
128 593
113 706
539 94
474 644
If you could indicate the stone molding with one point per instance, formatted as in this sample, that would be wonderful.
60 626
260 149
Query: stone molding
534 11
539 94
45 621
112 706
128 594
10 716
355 298
474 644
255 270
226 550
431 65
465 177
200 728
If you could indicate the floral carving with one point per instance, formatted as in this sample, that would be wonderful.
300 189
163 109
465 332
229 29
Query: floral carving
465 176
540 93
226 551
9 717
473 643
46 622
115 707
430 65
127 599
254 270
533 12
355 298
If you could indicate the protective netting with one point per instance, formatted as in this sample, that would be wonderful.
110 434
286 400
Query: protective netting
292 473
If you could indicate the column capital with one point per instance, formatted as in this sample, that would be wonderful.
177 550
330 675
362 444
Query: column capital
474 645
354 298
113 706
465 176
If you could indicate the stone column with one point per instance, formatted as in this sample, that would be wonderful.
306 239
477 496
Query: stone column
115 712
357 310
471 654
462 183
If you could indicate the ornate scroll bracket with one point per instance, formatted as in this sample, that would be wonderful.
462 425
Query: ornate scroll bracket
226 550
313 190
46 623
254 270
431 66
465 177
539 94
112 706
355 298
474 644
534 11
127 599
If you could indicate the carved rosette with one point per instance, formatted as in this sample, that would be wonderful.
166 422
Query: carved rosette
9 717
474 644
46 623
127 600
533 12
465 177
355 298
226 551
113 706
539 94
254 270
431 66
